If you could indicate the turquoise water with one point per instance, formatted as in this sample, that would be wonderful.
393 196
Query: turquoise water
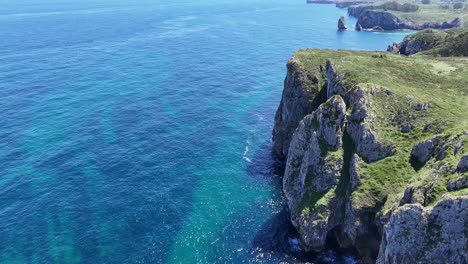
140 132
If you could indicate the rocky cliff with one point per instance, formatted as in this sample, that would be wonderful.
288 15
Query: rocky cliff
453 42
350 139
433 235
342 23
370 19
376 16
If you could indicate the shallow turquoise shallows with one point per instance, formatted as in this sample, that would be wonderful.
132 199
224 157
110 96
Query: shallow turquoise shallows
140 132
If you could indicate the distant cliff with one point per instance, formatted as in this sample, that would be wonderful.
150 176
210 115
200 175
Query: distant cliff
375 157
452 42
392 16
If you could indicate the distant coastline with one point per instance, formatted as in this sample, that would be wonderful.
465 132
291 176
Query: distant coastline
393 15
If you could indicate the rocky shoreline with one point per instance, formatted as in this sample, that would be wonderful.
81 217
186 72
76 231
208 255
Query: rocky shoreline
381 20
377 18
453 42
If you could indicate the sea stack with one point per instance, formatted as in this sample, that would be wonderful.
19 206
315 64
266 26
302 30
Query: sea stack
342 23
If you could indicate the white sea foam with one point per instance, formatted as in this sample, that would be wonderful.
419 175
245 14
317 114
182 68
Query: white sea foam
244 156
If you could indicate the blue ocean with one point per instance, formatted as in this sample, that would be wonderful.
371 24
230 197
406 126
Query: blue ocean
140 131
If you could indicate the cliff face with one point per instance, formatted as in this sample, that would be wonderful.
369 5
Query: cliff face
342 23
301 95
372 17
415 234
452 42
385 20
346 180
314 166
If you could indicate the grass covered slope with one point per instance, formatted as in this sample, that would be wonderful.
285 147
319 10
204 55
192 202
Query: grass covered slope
450 42
411 99
435 13
445 43
394 15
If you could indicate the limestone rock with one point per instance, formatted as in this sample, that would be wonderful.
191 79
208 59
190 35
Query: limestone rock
394 47
342 23
300 97
384 20
367 145
313 167
415 234
423 151
354 172
457 22
422 193
463 164
457 184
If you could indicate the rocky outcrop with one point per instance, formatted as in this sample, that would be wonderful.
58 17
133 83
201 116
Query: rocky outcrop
342 23
463 164
339 147
372 17
457 184
415 234
423 151
436 148
421 41
394 47
301 95
312 168
385 20
425 191
367 145
457 22
322 168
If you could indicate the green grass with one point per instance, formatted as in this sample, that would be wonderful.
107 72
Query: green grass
440 82
452 42
437 12
433 13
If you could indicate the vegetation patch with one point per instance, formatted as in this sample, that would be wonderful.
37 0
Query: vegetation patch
410 99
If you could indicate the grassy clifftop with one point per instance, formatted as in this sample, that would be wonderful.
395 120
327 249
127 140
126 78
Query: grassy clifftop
411 99
436 13
451 42
417 16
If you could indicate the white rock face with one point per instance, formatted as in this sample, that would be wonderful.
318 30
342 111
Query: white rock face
312 167
367 145
415 234
300 97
